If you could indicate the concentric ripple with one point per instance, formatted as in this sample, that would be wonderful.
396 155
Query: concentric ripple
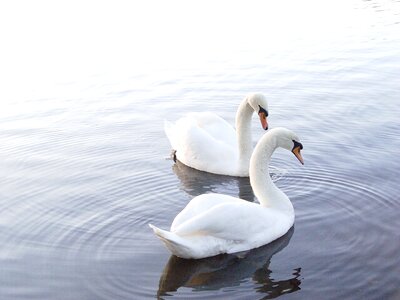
84 165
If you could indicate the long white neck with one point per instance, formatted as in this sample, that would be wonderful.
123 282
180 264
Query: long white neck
265 190
243 133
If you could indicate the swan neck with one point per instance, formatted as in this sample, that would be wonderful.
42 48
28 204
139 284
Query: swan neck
243 132
267 193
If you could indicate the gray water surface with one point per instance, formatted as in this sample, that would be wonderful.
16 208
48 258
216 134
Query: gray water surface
85 164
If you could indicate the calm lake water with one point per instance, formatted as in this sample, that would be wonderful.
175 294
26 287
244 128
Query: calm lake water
85 164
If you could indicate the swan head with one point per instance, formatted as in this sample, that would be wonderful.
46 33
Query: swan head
259 104
287 139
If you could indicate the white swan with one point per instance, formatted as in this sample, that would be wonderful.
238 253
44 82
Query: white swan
213 223
206 142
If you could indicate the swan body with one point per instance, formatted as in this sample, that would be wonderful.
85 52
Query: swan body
212 224
207 142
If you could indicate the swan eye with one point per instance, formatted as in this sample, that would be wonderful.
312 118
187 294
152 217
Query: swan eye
297 144
262 110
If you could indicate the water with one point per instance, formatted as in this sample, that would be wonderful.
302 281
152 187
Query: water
85 164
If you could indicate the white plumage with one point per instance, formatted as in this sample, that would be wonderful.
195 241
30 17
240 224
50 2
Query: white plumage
213 223
207 142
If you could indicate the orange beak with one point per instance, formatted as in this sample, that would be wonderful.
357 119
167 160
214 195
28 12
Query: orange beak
263 120
296 152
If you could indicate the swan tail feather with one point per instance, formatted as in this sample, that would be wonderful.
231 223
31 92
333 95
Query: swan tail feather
172 241
169 131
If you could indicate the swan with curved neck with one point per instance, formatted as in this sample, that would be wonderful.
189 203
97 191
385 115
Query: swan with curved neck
206 142
212 224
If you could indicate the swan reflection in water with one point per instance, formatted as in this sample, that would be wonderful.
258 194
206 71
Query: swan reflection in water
227 270
195 182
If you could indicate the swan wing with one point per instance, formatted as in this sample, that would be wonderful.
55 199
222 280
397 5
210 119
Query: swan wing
204 141
199 205
215 126
238 222
233 225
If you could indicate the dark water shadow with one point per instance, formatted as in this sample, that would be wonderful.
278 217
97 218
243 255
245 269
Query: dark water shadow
230 270
195 182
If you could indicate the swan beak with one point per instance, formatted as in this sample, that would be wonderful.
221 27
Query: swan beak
296 152
263 120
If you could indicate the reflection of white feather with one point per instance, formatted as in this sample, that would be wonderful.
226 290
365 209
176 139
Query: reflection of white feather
212 223
207 142
226 271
